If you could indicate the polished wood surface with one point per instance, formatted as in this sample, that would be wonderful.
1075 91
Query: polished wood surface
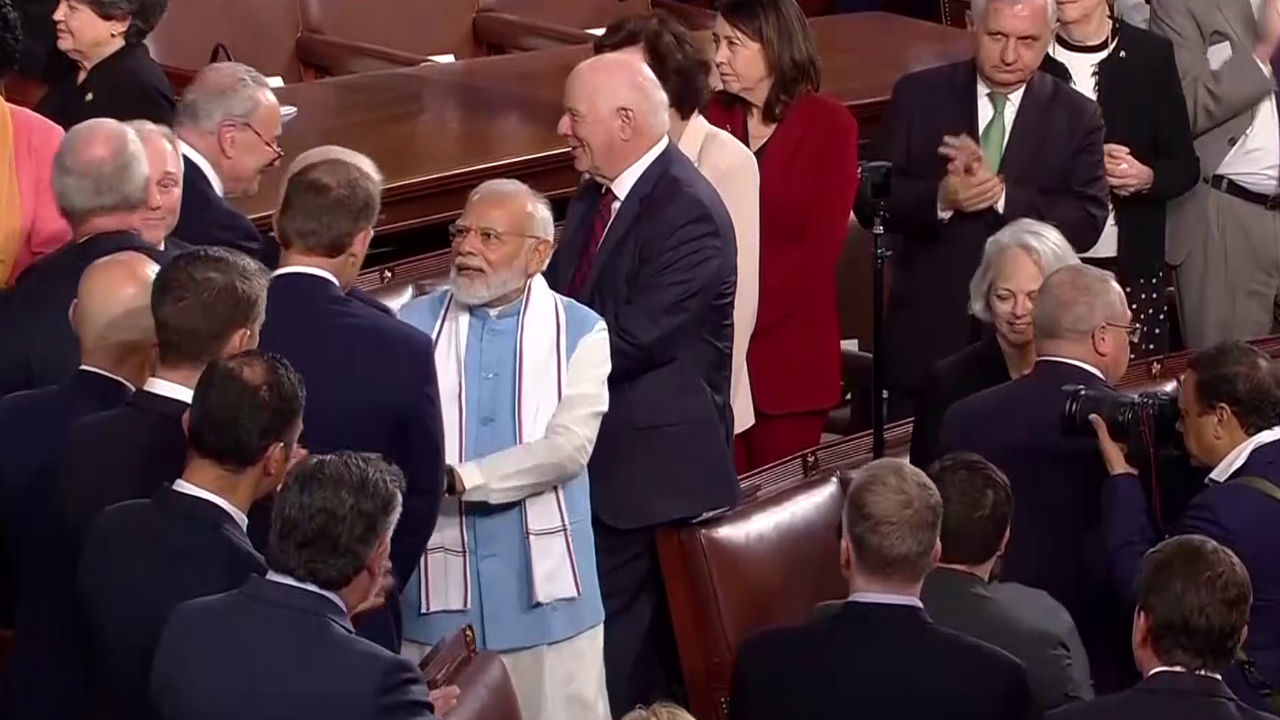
437 131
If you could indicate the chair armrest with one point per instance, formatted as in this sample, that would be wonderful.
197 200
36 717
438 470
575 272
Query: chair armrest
333 56
511 33
692 17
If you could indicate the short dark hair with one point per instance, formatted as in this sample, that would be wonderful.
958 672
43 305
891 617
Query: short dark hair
143 15
200 298
326 204
330 515
669 49
1243 378
789 49
976 506
1196 596
10 37
242 406
892 515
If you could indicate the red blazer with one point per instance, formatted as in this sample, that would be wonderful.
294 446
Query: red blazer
808 182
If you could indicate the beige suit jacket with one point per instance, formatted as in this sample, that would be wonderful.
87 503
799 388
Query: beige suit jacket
731 169
1221 95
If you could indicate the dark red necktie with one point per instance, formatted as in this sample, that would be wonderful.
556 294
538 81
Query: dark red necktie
604 213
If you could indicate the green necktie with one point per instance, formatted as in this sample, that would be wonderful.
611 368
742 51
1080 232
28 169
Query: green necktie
993 133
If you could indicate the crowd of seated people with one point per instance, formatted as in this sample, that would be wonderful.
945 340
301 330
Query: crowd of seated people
232 484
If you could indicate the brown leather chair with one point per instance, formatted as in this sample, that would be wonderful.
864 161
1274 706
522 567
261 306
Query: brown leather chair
260 33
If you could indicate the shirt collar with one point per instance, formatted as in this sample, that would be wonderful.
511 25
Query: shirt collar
171 390
1237 457
1179 668
307 270
628 178
199 160
236 514
1011 99
886 599
1076 363
283 579
104 373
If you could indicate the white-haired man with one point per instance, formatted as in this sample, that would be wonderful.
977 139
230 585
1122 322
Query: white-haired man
523 385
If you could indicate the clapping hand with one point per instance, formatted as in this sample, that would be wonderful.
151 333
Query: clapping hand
1125 174
970 185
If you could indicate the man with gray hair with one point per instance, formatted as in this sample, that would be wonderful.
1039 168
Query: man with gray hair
975 144
229 126
649 246
385 375
880 654
535 365
100 181
1083 327
164 160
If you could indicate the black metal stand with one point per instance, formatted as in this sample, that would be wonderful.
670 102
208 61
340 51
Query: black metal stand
879 393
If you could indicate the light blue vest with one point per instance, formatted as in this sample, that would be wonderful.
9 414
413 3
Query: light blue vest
502 608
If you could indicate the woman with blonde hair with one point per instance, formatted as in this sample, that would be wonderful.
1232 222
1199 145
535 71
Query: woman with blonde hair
659 711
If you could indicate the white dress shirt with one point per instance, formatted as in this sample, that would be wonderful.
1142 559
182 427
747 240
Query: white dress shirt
194 156
1178 668
1083 67
987 111
187 488
628 178
1237 457
1254 161
171 390
1070 361
104 373
875 598
307 270
283 579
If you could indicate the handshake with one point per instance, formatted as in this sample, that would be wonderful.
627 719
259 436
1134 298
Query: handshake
971 184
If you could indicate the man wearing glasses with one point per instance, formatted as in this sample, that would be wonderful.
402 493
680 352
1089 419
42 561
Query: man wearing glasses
1082 329
228 124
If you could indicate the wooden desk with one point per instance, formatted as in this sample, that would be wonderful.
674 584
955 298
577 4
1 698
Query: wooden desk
437 131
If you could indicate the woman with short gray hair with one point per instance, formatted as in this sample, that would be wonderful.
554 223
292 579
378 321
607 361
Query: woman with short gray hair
111 74
1002 294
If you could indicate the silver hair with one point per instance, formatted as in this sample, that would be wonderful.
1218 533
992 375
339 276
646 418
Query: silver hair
100 168
978 10
335 152
1075 300
1042 242
221 92
146 128
542 221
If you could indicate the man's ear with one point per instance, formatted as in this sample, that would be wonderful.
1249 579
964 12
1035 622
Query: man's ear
71 312
968 20
846 559
627 122
186 422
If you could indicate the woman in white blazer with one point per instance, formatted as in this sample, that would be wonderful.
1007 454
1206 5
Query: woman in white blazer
684 71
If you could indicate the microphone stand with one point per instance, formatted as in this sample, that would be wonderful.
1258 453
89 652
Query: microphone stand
879 393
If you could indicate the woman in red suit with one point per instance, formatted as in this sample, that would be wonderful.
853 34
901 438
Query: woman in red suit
807 147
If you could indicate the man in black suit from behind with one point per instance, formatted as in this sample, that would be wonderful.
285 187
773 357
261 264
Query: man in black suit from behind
229 126
1191 619
142 558
977 504
975 144
1056 538
100 181
880 657
379 394
207 303
282 646
112 319
649 246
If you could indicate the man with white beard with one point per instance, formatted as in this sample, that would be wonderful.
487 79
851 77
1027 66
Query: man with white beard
523 376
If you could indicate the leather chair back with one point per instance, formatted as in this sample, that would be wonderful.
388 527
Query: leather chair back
575 14
418 27
260 33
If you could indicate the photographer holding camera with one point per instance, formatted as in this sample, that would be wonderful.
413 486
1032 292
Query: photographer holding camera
1229 413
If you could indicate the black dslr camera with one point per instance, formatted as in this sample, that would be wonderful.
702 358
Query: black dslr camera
1147 421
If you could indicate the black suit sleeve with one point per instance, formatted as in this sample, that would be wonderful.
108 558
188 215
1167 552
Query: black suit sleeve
1080 206
419 453
749 689
402 694
913 198
1176 167
1018 703
679 273
927 423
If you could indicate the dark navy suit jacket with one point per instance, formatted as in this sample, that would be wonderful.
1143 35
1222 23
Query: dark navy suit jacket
1056 540
36 310
270 651
207 218
43 677
663 280
1236 515
141 560
1166 696
371 387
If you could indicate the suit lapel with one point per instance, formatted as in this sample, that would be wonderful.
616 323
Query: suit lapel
966 96
627 213
691 139
1028 127
576 228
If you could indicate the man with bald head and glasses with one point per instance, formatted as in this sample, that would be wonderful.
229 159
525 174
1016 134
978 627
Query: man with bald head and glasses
524 384
371 379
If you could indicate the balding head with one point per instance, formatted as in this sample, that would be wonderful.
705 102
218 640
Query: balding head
112 311
334 152
615 111
1081 314
101 178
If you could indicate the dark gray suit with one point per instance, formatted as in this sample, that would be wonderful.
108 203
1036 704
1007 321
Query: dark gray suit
961 601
